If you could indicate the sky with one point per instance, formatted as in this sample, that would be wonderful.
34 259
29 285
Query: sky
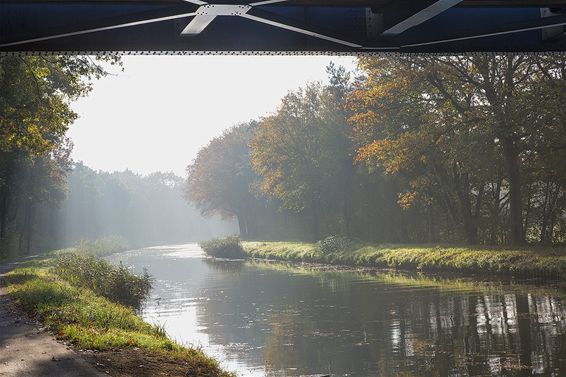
158 112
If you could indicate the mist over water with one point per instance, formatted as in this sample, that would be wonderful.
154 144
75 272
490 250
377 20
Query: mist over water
263 318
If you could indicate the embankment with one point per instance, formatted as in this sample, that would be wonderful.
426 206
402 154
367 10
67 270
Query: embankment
109 335
543 262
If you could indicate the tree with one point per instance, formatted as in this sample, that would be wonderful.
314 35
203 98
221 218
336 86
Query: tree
35 114
220 179
447 122
303 154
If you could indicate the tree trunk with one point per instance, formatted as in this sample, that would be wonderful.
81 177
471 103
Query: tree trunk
515 201
242 226
4 212
5 195
431 225
316 222
495 214
346 214
544 220
29 227
528 211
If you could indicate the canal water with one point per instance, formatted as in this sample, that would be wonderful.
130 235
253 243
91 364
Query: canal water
274 319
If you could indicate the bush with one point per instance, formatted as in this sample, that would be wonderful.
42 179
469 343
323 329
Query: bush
116 283
228 247
334 244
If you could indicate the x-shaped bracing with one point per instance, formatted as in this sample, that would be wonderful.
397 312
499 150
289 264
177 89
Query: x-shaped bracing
202 17
206 13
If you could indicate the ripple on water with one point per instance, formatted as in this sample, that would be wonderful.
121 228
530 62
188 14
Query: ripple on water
279 320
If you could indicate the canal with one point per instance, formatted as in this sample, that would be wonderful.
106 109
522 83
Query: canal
273 319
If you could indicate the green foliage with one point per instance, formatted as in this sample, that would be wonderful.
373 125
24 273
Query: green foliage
35 114
548 262
90 321
220 178
333 244
117 284
228 247
476 138
303 154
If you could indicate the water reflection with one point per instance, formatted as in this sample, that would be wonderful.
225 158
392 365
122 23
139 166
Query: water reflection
270 319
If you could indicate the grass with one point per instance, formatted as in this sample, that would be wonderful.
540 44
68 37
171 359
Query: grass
549 262
89 321
228 247
115 283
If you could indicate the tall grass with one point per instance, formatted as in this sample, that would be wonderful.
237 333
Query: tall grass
115 283
228 247
78 315
537 262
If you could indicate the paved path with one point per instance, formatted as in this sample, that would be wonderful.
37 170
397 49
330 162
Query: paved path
28 351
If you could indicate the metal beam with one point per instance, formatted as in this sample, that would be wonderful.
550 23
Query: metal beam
300 30
206 13
421 16
268 27
541 24
109 24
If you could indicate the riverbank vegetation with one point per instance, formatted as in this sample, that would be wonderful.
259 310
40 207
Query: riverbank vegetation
538 262
228 247
449 150
116 283
86 309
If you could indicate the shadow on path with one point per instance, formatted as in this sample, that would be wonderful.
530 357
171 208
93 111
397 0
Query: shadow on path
26 350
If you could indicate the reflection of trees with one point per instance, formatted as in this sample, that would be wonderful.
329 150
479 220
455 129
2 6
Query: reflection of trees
224 265
512 334
327 322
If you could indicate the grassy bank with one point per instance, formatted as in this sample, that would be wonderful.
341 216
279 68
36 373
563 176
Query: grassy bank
89 321
527 262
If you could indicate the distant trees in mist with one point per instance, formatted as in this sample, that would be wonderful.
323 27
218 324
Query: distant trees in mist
145 210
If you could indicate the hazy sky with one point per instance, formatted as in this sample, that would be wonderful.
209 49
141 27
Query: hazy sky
158 112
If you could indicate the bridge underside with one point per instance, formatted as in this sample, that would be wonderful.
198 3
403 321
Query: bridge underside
283 27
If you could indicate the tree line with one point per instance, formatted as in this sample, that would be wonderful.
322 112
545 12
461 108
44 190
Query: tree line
35 113
46 200
412 149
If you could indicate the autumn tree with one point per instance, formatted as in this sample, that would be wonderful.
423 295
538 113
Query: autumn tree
220 178
462 128
303 154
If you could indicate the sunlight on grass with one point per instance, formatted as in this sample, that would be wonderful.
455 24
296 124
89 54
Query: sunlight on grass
88 321
527 261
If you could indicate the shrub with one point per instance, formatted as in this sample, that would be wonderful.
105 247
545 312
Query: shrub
228 247
116 283
334 244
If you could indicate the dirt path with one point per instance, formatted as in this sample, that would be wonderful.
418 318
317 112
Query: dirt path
28 351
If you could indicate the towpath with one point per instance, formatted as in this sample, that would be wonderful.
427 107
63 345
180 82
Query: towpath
27 350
